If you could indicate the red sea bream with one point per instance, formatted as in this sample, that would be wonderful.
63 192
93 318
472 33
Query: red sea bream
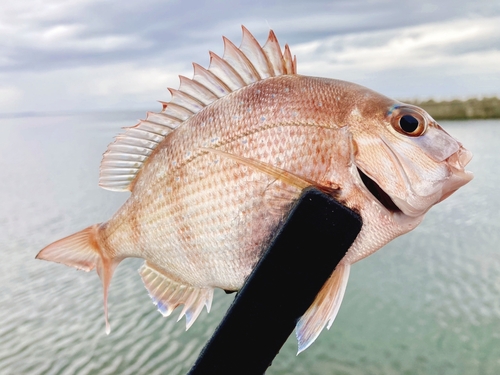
214 173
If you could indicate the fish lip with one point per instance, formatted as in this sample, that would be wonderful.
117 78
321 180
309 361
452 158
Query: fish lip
378 193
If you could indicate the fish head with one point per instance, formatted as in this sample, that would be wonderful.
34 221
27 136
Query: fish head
404 158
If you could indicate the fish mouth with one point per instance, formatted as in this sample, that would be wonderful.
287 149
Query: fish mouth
378 193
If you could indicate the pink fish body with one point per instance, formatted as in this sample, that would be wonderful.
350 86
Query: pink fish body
215 172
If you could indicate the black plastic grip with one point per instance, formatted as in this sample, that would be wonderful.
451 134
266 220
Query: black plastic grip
302 256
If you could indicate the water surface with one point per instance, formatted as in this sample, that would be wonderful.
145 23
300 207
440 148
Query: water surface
427 303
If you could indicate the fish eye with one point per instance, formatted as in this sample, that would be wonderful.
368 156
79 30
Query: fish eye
409 122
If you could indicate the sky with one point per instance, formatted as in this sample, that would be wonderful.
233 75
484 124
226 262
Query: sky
87 55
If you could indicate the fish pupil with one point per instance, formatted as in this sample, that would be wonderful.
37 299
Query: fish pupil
408 123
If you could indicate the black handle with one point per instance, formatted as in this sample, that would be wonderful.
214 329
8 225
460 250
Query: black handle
302 256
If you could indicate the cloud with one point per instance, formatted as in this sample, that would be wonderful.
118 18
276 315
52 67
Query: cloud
57 55
421 45
53 33
451 52
10 97
122 86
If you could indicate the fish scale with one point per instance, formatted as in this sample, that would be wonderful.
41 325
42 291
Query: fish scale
213 175
189 183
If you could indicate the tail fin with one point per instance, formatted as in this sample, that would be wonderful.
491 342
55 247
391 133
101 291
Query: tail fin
81 250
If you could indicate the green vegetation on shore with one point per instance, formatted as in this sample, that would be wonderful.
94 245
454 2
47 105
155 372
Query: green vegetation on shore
461 109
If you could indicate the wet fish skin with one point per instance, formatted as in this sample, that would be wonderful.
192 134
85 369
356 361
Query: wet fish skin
229 230
209 185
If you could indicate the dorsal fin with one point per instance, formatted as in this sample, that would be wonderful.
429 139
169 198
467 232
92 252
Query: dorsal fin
237 68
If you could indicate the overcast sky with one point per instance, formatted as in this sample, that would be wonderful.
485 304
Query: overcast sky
84 55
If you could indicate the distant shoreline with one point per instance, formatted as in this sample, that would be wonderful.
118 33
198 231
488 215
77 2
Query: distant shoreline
485 108
470 109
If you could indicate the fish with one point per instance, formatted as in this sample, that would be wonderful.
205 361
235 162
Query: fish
214 173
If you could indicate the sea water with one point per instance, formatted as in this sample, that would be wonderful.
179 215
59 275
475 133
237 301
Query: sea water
427 303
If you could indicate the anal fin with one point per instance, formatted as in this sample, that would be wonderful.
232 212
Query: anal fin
167 294
324 308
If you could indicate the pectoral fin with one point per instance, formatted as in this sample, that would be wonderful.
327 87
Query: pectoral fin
168 294
280 174
324 308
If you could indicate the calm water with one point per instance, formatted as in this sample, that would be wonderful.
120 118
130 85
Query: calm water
428 303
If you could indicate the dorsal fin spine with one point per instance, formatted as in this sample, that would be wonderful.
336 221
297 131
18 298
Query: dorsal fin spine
196 90
154 127
273 51
176 110
136 146
126 157
163 119
143 134
129 149
287 57
122 164
237 68
254 52
219 88
185 100
235 57
177 107
225 72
